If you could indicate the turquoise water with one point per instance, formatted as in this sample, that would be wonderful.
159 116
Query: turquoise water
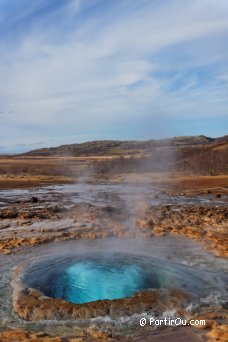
97 276
88 281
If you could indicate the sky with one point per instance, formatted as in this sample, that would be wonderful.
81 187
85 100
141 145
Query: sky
81 70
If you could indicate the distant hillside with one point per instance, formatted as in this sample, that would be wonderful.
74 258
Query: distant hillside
191 154
112 147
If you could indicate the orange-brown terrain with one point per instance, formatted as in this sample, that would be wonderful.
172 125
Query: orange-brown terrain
182 198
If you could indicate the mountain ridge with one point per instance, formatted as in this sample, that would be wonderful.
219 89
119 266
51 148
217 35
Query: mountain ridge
121 147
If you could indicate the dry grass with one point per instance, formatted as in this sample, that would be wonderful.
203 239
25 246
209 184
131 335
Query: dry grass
24 172
20 182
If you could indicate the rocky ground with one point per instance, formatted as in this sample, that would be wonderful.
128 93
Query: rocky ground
23 225
34 219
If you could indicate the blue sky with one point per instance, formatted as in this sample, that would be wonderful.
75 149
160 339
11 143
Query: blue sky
79 70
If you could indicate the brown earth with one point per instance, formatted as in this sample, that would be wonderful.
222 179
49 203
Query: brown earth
90 335
44 171
207 225
24 182
179 334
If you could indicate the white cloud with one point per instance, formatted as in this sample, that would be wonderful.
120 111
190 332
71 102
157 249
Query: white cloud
104 71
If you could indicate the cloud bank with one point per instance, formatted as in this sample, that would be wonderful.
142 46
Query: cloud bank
77 70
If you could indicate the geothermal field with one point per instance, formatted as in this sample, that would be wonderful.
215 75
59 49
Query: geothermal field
113 171
102 241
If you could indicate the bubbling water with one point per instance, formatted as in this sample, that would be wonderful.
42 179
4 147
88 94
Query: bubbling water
98 276
88 281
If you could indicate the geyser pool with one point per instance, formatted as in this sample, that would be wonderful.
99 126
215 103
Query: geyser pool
98 276
87 281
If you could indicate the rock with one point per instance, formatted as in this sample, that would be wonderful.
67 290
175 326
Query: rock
6 251
25 336
18 335
34 199
219 333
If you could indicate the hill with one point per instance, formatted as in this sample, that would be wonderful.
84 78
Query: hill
115 147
